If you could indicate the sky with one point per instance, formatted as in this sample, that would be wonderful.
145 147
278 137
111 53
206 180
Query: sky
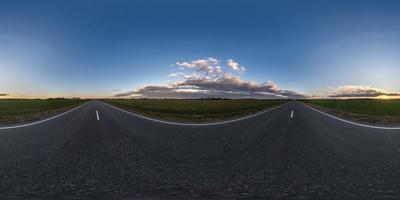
196 49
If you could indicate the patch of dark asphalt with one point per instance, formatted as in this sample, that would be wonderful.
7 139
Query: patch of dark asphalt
270 156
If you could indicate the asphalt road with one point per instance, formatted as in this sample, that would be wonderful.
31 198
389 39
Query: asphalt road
278 154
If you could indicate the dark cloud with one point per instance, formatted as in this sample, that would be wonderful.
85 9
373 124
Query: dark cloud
195 89
4 94
187 93
125 94
360 92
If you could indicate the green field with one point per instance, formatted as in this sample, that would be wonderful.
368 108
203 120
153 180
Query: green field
19 110
194 110
368 110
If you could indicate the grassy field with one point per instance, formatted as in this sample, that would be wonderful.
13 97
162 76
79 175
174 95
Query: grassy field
21 110
194 110
366 110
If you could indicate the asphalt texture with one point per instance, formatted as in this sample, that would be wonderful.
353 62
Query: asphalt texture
272 155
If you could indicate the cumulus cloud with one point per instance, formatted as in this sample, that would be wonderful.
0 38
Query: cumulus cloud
4 94
205 78
209 65
235 66
359 91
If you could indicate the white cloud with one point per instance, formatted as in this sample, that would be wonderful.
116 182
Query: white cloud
235 66
205 65
186 65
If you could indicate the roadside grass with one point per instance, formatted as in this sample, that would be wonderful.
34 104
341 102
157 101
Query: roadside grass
194 110
22 110
381 111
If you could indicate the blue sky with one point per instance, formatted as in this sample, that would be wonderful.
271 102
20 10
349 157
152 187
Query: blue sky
106 48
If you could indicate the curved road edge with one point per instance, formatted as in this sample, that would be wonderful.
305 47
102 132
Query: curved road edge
352 122
196 124
43 120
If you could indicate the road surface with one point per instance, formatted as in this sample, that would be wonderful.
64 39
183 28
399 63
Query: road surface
293 151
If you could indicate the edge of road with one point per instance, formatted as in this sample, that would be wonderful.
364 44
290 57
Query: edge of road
195 124
352 122
203 124
43 120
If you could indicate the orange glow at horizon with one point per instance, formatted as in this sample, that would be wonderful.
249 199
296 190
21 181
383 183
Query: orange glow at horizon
387 97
